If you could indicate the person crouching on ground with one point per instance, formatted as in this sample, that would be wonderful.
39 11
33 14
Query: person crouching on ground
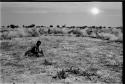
34 51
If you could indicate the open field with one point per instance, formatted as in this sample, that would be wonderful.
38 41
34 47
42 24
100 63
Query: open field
70 60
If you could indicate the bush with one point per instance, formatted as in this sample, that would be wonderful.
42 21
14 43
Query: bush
4 36
89 32
84 32
58 26
108 36
22 32
41 31
50 31
55 31
32 32
61 75
76 32
51 26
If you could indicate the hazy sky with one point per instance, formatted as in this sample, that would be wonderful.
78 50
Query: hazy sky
69 13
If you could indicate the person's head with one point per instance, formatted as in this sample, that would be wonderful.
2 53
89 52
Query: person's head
38 43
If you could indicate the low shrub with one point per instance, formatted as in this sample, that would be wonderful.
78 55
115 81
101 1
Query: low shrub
46 62
41 31
32 32
4 36
75 32
108 36
60 75
57 31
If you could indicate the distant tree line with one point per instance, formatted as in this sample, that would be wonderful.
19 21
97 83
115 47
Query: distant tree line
57 26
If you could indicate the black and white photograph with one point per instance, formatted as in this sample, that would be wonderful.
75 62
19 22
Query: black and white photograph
61 43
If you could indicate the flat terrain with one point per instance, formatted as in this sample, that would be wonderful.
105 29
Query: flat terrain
93 61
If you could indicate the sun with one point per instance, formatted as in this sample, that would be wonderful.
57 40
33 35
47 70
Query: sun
95 11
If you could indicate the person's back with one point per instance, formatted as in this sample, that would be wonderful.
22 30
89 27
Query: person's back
35 49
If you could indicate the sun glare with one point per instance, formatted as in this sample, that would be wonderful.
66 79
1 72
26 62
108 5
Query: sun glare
95 11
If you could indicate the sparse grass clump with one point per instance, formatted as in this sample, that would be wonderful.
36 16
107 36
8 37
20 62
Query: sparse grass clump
60 75
46 62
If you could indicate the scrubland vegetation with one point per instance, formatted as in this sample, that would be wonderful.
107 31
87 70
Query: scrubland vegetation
73 55
105 33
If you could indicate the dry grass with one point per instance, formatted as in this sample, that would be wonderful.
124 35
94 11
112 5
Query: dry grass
75 60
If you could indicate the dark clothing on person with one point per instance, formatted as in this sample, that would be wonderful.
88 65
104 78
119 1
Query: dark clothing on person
34 51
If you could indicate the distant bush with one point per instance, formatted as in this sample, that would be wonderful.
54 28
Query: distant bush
112 34
4 35
33 32
84 31
42 31
13 26
106 30
75 32
51 26
50 31
89 31
116 31
57 31
108 36
22 32
120 37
